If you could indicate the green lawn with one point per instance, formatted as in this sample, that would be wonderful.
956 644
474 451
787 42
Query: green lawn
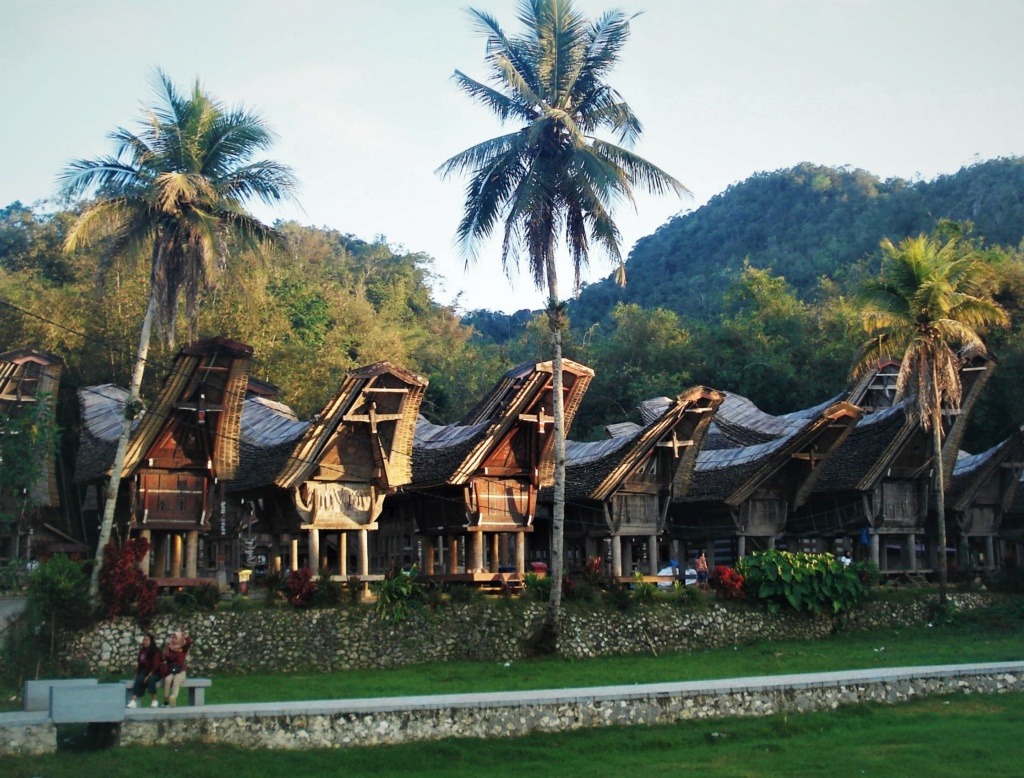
988 636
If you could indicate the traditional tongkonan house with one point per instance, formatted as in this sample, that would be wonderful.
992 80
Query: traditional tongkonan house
356 453
477 481
878 486
28 377
618 490
250 532
753 471
981 495
181 452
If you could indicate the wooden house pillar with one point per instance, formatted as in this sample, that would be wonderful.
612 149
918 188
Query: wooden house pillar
162 548
453 554
495 559
521 552
145 562
990 553
191 553
343 554
313 551
428 557
589 549
274 560
875 556
294 561
912 552
771 542
176 555
616 556
477 549
652 554
626 555
741 547
503 543
364 552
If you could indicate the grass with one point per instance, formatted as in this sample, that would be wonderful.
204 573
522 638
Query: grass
982 636
948 736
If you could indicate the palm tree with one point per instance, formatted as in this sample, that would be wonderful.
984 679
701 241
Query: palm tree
176 189
931 298
552 176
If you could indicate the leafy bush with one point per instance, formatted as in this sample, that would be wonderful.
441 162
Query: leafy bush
328 592
123 585
396 595
12 576
300 587
537 588
818 583
643 591
464 594
726 582
204 597
867 571
689 596
620 596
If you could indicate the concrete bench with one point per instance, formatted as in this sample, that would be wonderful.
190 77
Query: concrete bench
196 688
87 704
37 693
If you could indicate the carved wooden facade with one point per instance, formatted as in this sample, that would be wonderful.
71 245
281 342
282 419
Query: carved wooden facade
622 487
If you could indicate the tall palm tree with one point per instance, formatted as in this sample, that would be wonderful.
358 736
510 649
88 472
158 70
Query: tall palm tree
552 177
175 190
931 298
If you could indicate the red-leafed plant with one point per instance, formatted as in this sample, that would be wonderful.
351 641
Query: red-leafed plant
301 587
123 584
726 583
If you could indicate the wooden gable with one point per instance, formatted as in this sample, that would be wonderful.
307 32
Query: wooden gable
189 439
359 450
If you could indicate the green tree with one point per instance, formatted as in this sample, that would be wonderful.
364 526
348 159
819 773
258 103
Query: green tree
932 297
552 177
175 189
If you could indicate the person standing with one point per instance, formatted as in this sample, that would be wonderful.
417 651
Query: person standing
147 671
174 663
701 566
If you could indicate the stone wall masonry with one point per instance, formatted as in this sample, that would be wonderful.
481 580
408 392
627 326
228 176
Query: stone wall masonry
332 639
342 724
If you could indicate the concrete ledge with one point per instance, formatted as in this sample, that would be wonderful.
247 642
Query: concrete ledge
37 693
89 704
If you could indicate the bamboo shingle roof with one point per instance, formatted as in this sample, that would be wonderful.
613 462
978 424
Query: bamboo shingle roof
269 432
102 412
971 471
451 454
376 409
26 375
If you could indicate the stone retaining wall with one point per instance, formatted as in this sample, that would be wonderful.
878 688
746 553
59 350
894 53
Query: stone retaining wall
284 639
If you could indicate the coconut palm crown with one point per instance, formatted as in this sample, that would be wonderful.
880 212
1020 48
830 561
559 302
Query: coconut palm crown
932 299
176 189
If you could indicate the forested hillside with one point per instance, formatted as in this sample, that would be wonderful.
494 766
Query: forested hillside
803 223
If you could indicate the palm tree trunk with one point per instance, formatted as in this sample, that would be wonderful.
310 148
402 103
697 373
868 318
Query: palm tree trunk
558 508
940 499
114 485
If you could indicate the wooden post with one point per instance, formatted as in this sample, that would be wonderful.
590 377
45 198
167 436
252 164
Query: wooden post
428 557
477 547
313 551
521 552
343 554
503 552
145 562
741 547
191 552
495 557
616 556
176 555
364 560
294 561
990 553
453 554
912 552
652 554
274 562
873 537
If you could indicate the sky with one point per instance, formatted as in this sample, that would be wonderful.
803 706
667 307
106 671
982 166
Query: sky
360 95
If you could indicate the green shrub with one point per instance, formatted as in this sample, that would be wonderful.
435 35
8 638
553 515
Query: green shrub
328 592
537 588
867 571
204 597
643 591
464 594
620 596
690 596
818 583
397 594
